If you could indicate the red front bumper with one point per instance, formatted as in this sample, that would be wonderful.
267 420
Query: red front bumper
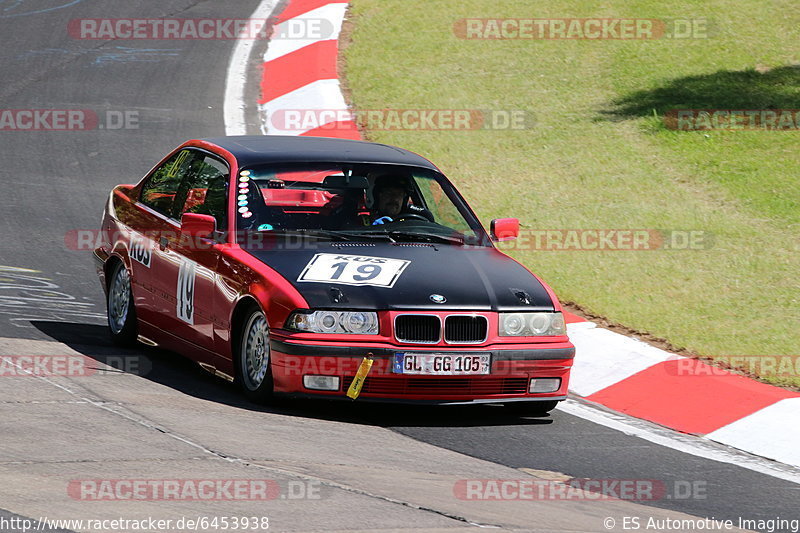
511 371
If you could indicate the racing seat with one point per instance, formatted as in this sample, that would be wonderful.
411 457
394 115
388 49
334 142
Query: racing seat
348 213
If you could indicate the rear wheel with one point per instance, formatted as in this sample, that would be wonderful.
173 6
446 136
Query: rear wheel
531 408
253 365
119 307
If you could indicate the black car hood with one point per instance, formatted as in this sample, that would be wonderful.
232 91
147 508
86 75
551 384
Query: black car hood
470 278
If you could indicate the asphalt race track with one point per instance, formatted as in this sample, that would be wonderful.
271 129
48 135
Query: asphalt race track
159 417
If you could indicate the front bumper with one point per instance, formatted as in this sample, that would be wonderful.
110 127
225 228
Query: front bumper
509 379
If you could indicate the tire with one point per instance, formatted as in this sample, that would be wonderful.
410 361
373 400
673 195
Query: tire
120 309
253 362
531 408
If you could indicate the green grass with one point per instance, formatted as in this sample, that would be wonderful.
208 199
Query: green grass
599 155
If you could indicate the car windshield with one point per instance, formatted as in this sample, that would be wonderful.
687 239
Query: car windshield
355 202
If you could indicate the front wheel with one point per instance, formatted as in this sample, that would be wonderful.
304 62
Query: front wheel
119 307
531 408
254 371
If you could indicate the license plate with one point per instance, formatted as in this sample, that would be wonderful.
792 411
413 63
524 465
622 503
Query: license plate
442 364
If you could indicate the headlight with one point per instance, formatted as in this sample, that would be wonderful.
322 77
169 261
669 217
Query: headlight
512 324
359 322
531 324
328 322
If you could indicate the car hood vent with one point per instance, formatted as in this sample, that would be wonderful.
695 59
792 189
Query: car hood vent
337 295
523 297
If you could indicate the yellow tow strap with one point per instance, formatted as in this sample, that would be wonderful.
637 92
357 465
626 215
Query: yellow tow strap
361 376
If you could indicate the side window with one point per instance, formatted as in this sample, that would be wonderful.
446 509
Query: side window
437 202
159 191
205 191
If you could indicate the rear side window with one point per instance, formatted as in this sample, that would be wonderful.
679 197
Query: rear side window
205 191
159 191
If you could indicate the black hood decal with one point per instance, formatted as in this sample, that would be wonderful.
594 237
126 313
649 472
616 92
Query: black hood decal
469 278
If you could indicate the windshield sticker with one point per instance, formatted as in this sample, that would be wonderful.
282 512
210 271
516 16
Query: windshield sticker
173 171
354 270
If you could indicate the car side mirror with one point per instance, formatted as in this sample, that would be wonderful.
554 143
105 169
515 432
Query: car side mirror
505 229
197 225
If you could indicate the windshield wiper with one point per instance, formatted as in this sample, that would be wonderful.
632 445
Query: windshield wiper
371 235
306 232
426 237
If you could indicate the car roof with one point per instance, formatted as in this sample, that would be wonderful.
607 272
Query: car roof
255 149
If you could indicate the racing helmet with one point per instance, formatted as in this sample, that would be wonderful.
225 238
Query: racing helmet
391 180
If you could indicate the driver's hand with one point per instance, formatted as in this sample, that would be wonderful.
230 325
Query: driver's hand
382 220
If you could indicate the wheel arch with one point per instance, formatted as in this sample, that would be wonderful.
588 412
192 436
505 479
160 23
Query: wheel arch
248 305
128 332
110 264
240 310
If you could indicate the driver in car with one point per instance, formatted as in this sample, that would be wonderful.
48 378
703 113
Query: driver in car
390 194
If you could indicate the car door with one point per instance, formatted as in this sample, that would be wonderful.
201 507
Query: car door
190 264
153 217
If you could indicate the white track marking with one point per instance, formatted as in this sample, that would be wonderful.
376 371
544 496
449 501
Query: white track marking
678 441
604 358
782 443
322 95
236 81
332 13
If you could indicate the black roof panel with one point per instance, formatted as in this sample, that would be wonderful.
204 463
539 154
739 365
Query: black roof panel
255 149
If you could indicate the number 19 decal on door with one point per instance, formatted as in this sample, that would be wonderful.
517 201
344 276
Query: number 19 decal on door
185 293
